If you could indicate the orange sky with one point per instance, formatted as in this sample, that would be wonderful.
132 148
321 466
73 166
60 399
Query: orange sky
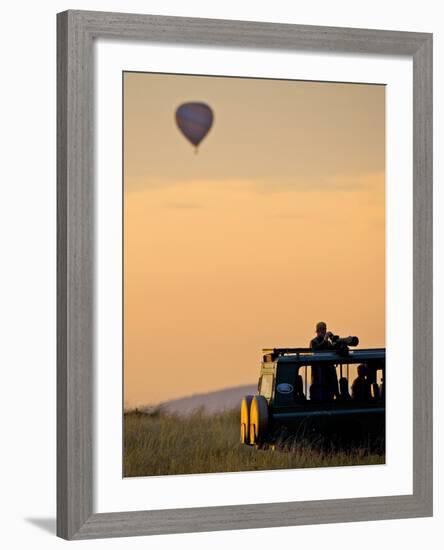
277 222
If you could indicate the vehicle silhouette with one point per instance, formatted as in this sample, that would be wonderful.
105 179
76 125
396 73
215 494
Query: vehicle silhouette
287 402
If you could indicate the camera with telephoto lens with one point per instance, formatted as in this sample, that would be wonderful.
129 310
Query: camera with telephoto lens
337 341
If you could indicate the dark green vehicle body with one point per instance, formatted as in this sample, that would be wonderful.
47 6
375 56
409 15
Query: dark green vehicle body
295 411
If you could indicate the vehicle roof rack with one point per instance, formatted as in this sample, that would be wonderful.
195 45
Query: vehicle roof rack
284 351
301 354
270 354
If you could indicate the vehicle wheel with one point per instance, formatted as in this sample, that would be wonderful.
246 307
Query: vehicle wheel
258 420
245 419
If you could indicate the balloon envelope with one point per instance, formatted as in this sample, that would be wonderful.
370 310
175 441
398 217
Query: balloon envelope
194 121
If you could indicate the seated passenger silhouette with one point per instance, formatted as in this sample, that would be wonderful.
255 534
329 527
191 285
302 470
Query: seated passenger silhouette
361 387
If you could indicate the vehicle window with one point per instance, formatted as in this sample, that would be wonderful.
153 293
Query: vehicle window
267 385
379 377
312 376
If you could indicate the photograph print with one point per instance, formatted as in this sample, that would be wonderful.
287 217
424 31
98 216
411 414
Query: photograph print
253 274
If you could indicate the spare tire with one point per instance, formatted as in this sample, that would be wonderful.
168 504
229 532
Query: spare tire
258 420
245 419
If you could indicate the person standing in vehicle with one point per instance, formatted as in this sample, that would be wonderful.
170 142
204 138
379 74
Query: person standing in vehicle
324 379
322 339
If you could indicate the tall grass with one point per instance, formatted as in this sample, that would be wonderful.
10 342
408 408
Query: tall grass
158 443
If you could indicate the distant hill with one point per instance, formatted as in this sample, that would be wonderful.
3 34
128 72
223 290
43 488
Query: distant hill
212 402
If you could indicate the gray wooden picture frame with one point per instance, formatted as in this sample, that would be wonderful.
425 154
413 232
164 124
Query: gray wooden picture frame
76 32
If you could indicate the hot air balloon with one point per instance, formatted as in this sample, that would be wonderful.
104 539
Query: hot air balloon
194 121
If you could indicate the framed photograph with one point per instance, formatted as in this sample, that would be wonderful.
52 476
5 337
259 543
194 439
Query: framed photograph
244 275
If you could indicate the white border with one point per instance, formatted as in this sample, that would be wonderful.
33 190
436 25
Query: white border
112 493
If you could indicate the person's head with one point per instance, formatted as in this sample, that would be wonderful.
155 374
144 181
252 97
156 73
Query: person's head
321 328
362 370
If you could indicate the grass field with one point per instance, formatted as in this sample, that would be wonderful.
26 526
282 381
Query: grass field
159 444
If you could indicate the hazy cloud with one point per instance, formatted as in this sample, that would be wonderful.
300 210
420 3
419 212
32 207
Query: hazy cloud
287 216
184 205
338 182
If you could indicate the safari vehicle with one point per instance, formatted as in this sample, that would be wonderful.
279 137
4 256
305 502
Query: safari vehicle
287 400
